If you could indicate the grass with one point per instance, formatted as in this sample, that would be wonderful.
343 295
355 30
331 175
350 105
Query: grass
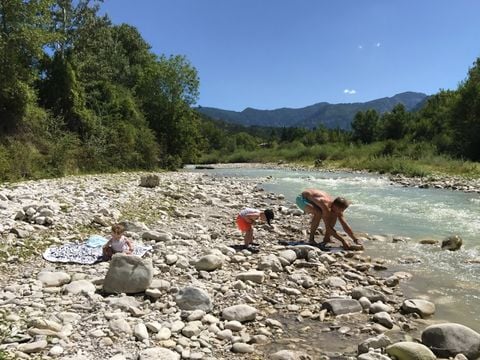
392 157
145 210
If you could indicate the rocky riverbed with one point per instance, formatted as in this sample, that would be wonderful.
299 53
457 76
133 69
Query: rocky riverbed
450 182
195 296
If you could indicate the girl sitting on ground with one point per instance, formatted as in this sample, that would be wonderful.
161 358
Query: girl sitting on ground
118 243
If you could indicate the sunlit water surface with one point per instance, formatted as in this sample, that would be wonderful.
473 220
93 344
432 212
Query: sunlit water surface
380 207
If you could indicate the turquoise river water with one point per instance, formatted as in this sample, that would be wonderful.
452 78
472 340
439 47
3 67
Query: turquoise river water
380 207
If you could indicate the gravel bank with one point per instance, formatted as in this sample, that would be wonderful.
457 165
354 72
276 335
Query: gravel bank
206 300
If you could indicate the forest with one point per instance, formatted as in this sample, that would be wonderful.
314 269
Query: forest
79 94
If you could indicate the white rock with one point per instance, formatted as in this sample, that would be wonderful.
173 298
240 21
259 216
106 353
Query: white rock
49 278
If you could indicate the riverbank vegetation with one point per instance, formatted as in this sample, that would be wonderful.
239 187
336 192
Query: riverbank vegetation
440 137
79 94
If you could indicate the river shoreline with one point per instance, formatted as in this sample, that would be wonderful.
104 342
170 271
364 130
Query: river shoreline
297 300
450 182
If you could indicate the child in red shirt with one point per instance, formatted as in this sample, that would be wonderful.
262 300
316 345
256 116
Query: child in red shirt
247 217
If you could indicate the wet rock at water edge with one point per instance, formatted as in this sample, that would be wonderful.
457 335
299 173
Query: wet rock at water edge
421 307
452 243
450 339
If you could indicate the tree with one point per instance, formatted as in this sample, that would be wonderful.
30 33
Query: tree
393 125
63 94
22 38
167 89
433 121
245 141
365 125
465 119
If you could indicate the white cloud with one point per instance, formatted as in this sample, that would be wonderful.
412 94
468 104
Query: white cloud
350 91
360 47
378 44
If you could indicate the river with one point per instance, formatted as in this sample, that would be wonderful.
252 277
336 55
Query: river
382 208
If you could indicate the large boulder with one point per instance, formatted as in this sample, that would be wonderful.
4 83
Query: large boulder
450 339
150 181
128 274
409 350
192 298
452 243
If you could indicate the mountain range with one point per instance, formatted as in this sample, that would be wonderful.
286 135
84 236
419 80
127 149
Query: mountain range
330 115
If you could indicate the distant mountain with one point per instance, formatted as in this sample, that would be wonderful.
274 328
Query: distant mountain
330 115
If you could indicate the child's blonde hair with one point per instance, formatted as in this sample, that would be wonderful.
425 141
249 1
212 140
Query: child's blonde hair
118 228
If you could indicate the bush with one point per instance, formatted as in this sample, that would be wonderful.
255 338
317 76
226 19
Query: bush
25 161
388 148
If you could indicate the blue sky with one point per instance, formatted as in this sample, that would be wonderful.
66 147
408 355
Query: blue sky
268 54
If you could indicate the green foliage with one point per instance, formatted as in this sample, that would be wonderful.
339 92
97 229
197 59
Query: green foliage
62 93
5 355
14 100
466 116
105 101
167 89
388 149
394 124
365 126
24 161
22 38
100 100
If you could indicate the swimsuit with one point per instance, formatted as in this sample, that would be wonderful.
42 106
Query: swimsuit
302 202
120 245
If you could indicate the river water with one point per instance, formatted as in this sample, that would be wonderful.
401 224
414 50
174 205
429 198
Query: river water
382 208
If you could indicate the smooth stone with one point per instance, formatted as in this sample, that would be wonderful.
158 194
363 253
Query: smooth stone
419 306
157 353
242 348
240 313
408 350
450 339
342 306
